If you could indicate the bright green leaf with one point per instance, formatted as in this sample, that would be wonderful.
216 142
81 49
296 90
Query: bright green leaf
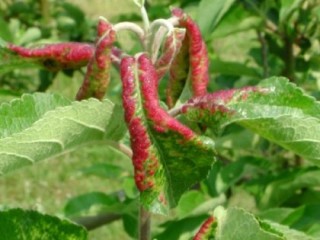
38 129
237 224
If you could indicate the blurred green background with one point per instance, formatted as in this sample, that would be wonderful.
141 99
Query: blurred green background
247 40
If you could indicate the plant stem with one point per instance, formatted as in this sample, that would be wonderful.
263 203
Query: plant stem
264 53
120 147
288 58
144 224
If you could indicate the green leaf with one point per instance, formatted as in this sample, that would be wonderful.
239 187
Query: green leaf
286 185
210 13
188 202
304 217
116 128
29 36
232 68
20 114
5 32
277 110
229 226
287 233
237 19
37 128
91 203
18 224
237 224
180 229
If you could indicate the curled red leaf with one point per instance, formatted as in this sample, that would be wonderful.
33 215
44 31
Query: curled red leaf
144 160
218 100
204 230
70 55
198 55
161 119
159 142
97 76
171 47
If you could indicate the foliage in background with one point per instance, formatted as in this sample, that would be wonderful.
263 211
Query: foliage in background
248 41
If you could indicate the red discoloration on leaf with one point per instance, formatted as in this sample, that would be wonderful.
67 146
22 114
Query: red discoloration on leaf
158 116
171 48
204 229
98 71
58 56
145 162
198 53
217 101
159 142
179 72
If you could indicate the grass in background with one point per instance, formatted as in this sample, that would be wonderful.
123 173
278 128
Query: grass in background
47 186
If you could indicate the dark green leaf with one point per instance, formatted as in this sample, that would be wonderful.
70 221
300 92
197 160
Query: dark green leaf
18 224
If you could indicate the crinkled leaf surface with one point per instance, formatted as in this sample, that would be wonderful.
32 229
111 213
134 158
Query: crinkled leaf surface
168 157
40 126
18 224
277 110
237 224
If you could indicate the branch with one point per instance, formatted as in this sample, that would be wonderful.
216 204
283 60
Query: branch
144 222
264 53
175 111
120 147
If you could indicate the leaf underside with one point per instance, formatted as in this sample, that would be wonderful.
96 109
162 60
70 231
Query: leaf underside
40 126
277 110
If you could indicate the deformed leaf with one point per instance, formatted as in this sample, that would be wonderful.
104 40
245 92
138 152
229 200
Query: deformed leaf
18 224
189 74
41 126
97 77
276 109
167 156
